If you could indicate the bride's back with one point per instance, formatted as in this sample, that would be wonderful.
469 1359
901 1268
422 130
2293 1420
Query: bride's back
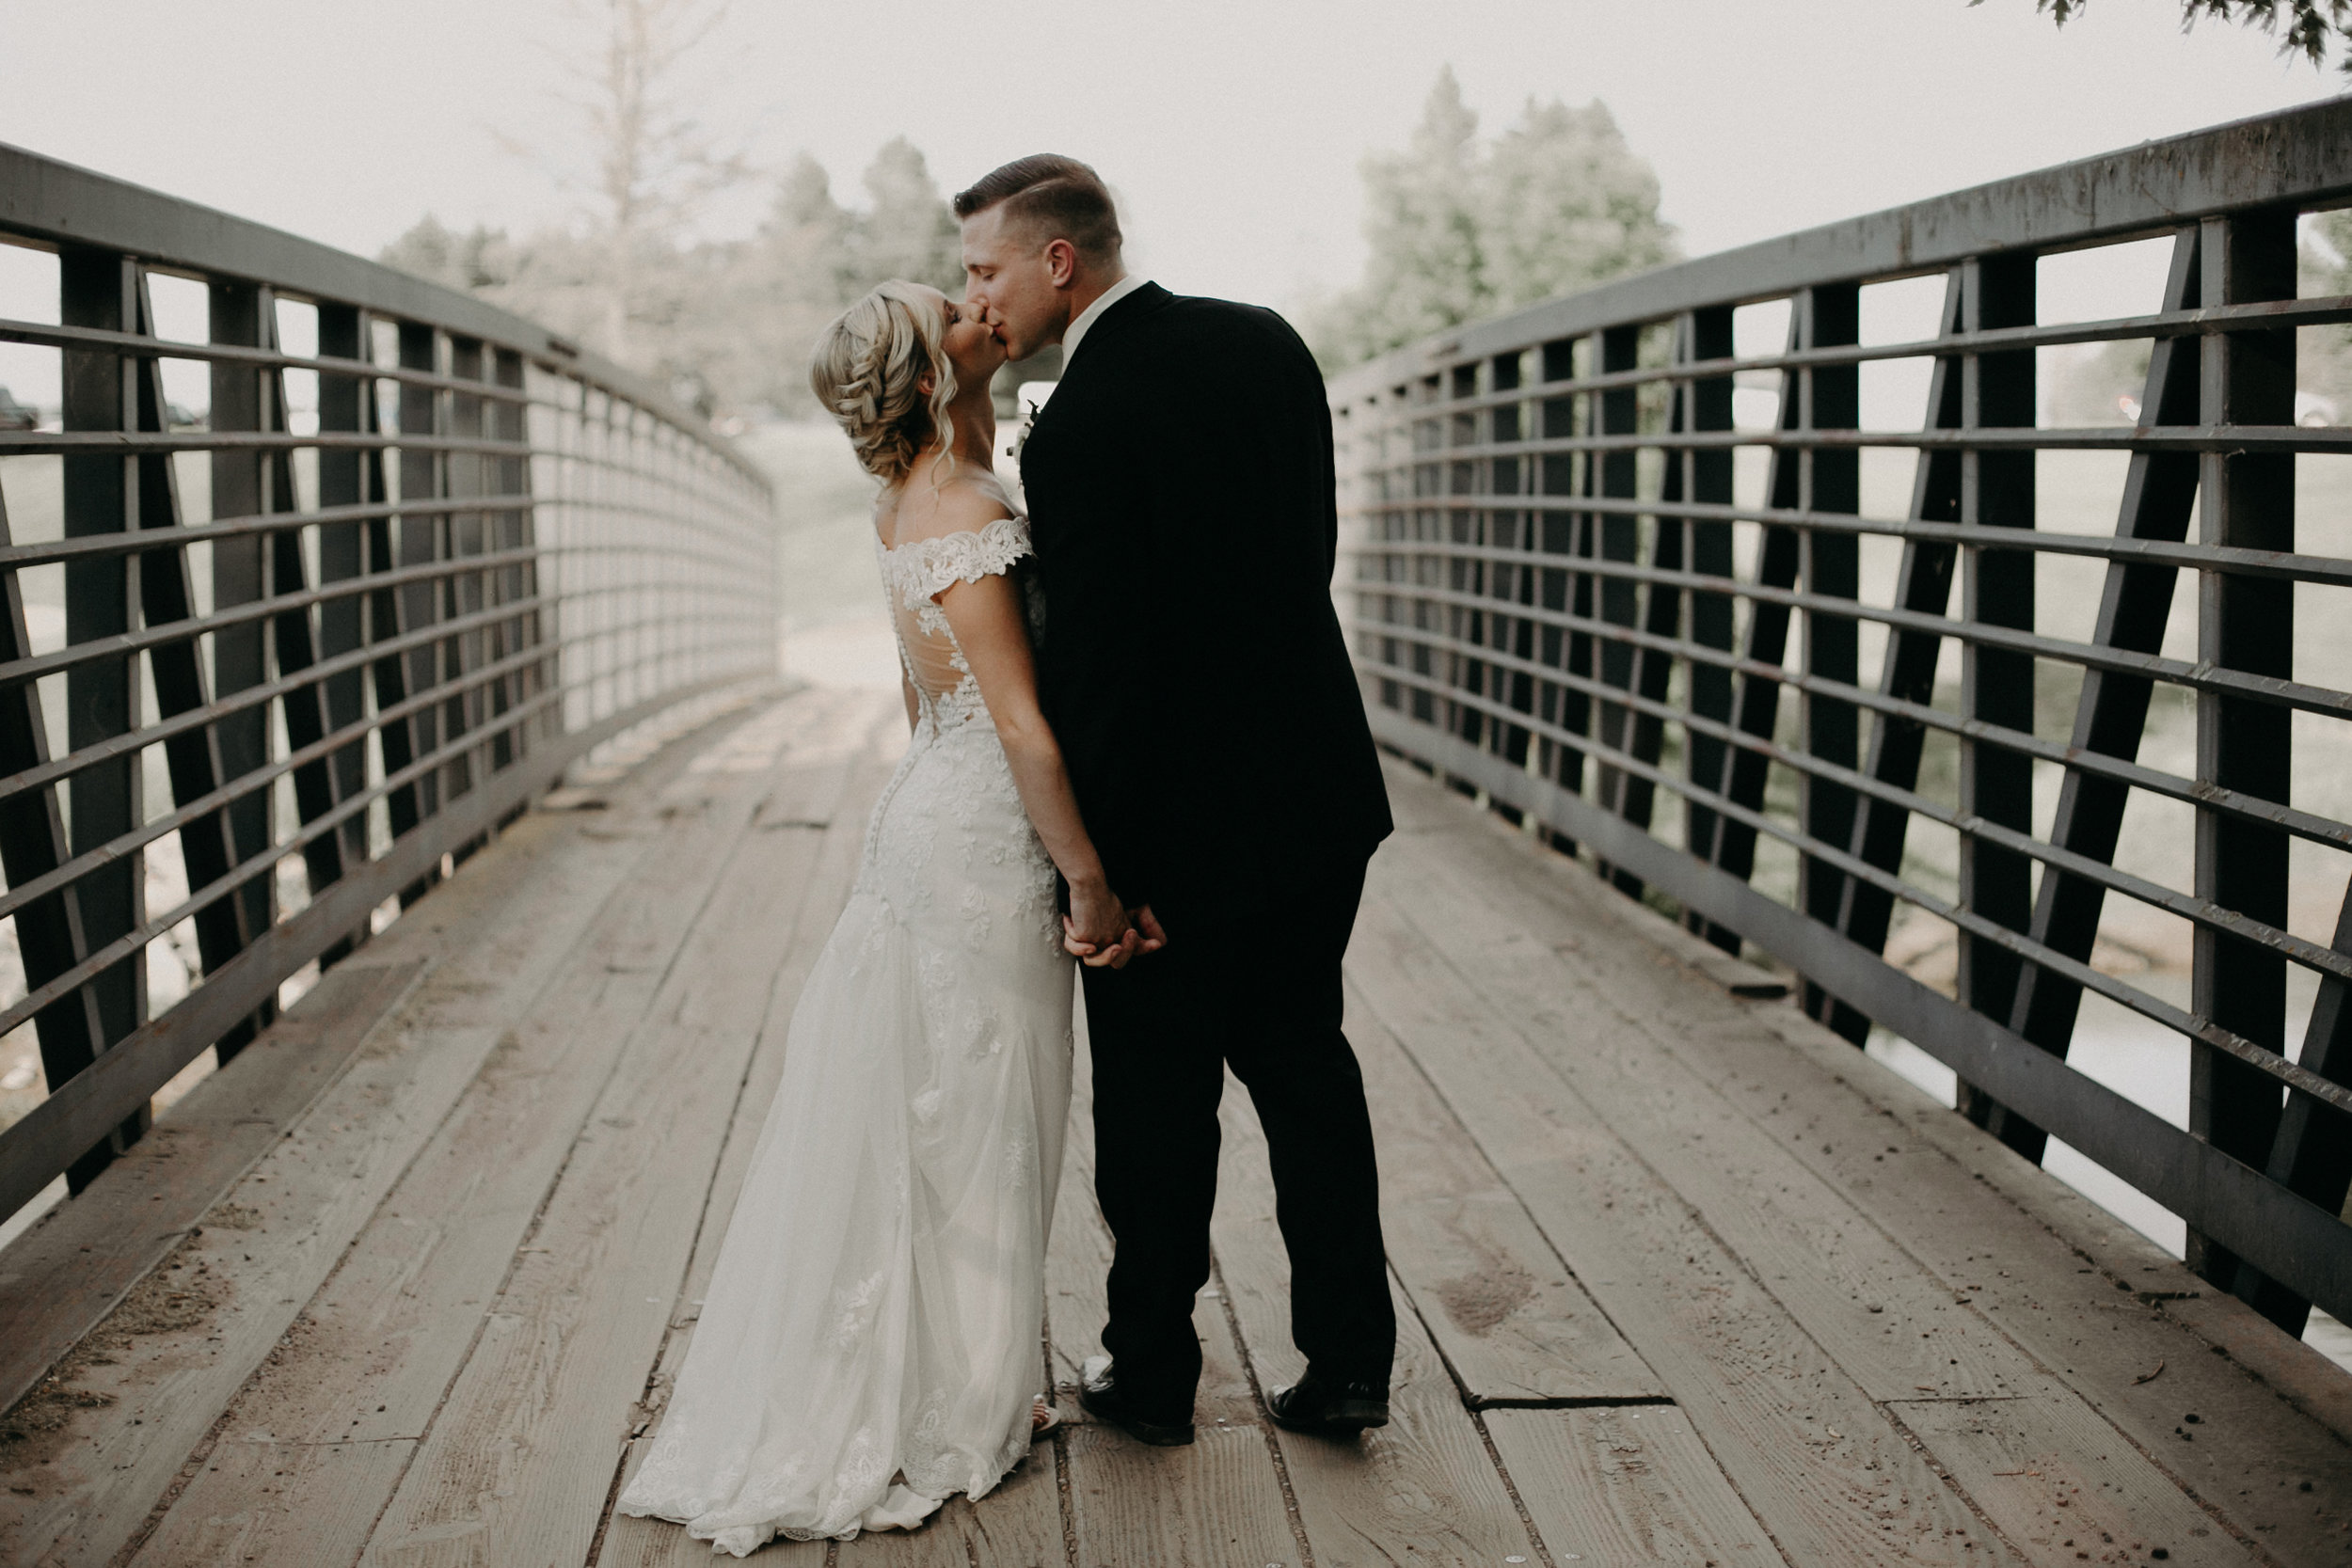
932 537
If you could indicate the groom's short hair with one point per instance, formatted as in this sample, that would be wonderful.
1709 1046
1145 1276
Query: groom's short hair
1052 197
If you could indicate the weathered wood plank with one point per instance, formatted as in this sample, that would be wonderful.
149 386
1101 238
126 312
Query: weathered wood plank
376 1351
59 1278
2091 1300
1512 1322
1895 1328
338 1489
521 1456
1757 1389
2046 1473
2095 1302
1422 1487
1216 1504
1626 1488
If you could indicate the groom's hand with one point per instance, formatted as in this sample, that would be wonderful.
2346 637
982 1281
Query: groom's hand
1143 921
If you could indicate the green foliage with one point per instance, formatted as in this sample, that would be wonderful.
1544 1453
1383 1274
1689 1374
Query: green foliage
727 325
1459 230
2311 27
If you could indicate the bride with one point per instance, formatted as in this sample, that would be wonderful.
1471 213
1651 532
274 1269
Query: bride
870 1340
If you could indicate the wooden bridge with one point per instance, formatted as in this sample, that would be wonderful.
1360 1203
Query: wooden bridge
1682 1277
401 737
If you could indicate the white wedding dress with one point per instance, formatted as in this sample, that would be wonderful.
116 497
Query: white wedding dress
871 1339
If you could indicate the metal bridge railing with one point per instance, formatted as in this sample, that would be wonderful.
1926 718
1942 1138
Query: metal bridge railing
1570 595
305 656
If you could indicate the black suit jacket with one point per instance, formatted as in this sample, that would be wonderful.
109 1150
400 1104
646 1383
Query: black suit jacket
1179 484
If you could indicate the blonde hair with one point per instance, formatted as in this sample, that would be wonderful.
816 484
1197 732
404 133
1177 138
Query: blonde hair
866 371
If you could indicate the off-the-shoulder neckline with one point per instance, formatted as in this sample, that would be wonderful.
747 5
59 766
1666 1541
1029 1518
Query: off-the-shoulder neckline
952 533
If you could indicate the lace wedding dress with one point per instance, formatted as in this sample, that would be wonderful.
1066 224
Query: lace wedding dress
870 1341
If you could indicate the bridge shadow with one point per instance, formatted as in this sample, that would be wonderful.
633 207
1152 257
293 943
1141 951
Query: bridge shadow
1681 1276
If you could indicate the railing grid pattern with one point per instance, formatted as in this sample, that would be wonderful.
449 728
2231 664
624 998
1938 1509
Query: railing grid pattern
1561 604
308 659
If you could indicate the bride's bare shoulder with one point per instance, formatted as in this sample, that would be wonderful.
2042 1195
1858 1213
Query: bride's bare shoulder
959 504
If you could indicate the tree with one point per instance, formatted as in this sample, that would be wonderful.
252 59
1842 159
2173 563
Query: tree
1459 230
909 230
2311 26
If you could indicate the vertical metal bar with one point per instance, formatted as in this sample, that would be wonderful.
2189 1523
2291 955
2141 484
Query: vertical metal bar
1710 336
2111 713
295 639
510 477
2243 623
1569 709
1662 604
1465 574
1833 568
1924 586
1619 539
415 542
1515 584
347 476
240 653
1996 588
1777 559
100 289
461 593
192 758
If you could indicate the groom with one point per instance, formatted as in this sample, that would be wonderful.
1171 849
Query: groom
1179 492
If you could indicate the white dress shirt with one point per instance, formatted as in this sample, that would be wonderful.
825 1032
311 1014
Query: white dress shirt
1076 332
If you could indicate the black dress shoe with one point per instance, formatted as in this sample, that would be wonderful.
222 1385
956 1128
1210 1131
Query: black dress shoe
1328 1409
1100 1397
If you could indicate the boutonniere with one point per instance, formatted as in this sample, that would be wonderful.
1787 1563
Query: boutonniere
1021 432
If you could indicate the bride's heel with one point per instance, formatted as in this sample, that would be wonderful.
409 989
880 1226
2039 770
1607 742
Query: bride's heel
1044 1421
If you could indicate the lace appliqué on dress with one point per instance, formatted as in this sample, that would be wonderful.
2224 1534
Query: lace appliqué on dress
921 569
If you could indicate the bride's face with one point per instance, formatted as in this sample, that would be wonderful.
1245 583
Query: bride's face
971 344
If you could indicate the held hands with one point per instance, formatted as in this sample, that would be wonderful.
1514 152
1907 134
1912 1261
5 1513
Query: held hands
1101 932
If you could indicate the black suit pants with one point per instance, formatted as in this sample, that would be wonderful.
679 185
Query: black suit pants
1254 983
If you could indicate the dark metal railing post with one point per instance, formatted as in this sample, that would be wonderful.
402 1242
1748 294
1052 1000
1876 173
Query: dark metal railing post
1617 536
347 478
1568 592
1514 583
2111 711
1832 569
240 655
99 289
2246 499
1923 585
1708 335
1997 490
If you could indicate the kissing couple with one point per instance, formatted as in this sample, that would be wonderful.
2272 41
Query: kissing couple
1138 755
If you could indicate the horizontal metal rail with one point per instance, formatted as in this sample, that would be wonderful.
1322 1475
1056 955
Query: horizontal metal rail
496 553
1563 598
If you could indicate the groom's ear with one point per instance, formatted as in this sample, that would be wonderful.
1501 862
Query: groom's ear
1062 262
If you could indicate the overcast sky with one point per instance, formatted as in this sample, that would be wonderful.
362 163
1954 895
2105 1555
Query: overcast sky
1231 128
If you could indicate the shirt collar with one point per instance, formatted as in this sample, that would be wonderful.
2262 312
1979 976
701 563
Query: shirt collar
1076 332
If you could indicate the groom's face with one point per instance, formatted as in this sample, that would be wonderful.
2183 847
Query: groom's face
1018 284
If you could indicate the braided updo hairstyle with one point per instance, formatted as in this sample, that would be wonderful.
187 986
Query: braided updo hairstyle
866 371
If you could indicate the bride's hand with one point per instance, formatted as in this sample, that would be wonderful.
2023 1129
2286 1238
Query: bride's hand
1096 929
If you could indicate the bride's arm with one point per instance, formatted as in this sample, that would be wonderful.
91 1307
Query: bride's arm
986 618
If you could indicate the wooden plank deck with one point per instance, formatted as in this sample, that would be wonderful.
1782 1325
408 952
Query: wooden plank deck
1680 1277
